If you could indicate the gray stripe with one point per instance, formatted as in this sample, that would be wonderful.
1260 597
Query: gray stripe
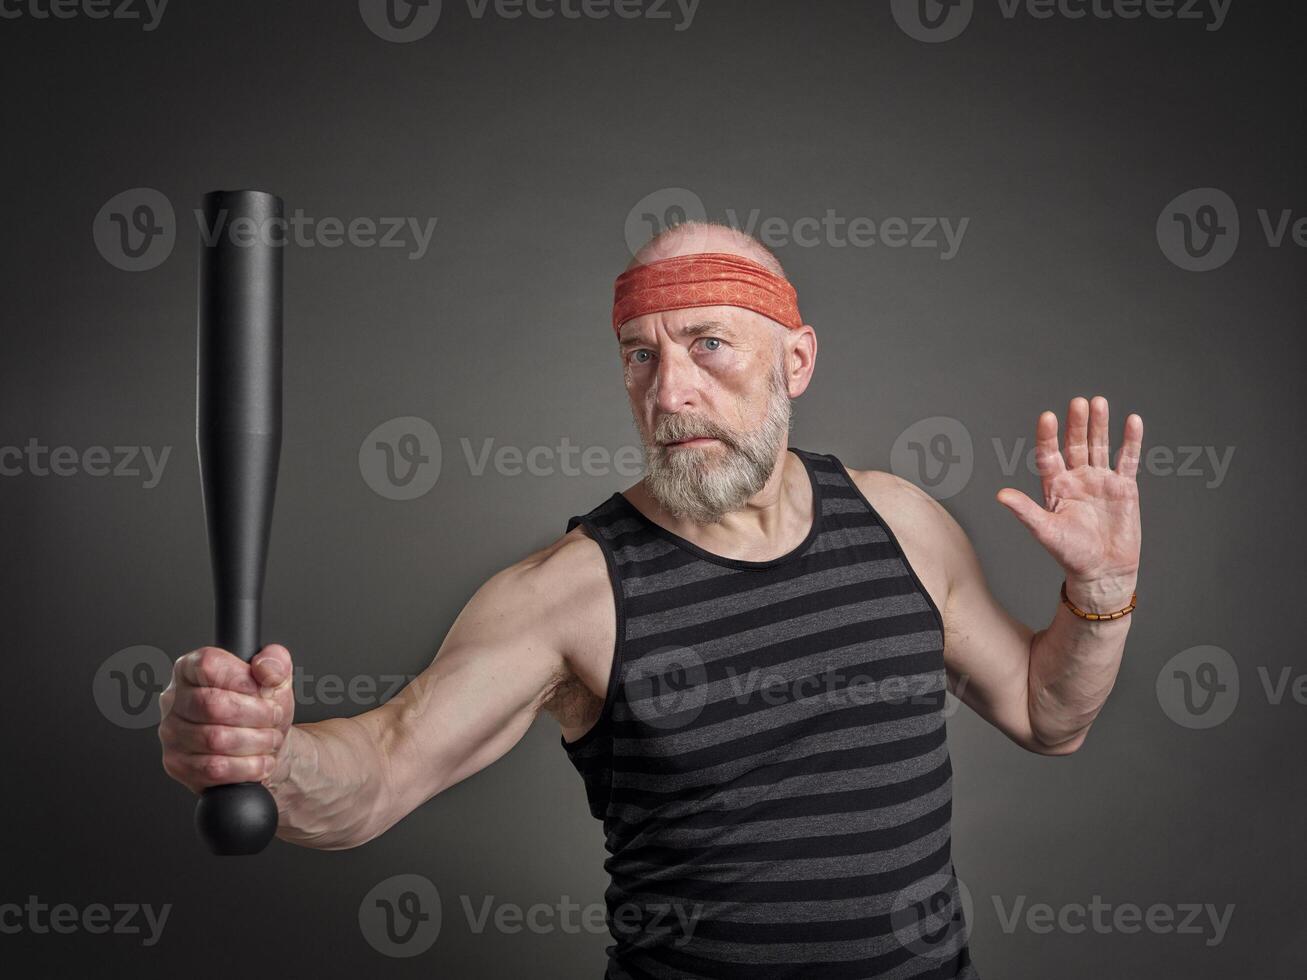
694 613
813 784
781 913
681 740
880 733
695 572
791 828
833 950
642 552
842 505
810 624
844 687
806 954
844 537
704 571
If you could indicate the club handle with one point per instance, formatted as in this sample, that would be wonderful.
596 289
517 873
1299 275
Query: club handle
238 438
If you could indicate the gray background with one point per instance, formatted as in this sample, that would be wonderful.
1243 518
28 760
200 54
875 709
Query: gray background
530 140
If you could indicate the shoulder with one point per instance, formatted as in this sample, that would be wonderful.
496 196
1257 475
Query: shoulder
567 589
930 537
568 571
900 501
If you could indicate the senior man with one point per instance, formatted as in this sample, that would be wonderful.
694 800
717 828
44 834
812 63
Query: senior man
746 653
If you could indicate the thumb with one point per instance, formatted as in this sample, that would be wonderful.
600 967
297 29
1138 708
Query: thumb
1026 510
271 667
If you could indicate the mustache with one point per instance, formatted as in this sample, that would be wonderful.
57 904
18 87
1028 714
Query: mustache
674 428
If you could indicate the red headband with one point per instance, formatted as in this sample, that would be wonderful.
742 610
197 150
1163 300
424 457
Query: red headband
704 279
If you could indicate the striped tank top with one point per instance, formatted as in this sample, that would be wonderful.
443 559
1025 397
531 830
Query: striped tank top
770 763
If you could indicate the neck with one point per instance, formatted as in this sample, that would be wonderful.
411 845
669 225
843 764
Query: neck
771 523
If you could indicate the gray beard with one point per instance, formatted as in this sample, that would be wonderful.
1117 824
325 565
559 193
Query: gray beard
705 485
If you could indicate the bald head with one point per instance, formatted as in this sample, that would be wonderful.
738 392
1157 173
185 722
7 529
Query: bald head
694 237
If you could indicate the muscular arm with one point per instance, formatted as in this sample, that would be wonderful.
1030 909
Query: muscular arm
1042 688
344 781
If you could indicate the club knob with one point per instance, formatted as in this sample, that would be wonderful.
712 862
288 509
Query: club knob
239 818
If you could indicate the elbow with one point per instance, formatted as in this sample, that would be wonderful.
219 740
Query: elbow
1041 744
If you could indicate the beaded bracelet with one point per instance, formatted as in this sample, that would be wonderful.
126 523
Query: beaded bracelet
1096 616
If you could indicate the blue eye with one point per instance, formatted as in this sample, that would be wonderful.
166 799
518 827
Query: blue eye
637 353
712 340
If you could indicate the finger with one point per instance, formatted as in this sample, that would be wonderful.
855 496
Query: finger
215 667
1077 433
192 739
1027 511
1098 432
1048 460
201 771
271 667
219 706
1132 442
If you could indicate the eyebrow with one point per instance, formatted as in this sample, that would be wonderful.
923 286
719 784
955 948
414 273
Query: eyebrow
691 330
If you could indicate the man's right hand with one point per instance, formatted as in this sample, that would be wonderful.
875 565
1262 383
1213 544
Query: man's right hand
343 781
223 720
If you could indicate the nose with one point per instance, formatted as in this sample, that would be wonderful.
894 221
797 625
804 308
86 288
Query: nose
676 381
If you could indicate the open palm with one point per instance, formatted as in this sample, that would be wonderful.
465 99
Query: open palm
1089 521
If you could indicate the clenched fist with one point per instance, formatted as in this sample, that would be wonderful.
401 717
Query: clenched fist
225 721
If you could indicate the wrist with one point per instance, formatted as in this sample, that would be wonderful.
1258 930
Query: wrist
1102 594
281 781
